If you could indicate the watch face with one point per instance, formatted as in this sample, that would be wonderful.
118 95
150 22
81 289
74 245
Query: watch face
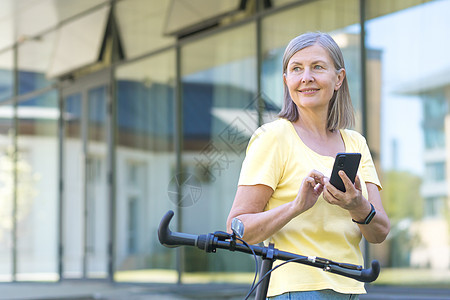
238 227
371 215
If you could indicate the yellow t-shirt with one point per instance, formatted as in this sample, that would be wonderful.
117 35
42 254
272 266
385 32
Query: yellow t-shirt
277 157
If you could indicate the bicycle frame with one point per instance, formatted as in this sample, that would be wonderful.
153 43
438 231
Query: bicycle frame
222 240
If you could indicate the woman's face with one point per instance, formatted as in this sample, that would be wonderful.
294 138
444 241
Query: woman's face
312 78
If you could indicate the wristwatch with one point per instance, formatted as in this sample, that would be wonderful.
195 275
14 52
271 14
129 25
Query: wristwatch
369 216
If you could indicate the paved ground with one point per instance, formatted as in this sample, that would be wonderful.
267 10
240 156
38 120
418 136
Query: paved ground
88 290
85 290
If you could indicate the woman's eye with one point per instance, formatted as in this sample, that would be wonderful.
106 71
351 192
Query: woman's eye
296 69
318 67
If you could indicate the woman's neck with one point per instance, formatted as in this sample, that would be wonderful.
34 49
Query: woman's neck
313 123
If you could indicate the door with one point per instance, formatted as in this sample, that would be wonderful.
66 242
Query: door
85 206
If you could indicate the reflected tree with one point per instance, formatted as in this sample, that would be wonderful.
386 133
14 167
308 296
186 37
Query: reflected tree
404 204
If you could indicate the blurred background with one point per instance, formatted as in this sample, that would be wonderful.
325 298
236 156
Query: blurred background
113 112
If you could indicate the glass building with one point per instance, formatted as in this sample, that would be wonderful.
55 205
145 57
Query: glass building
113 112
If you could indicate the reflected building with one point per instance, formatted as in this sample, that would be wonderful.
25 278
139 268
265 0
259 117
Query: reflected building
432 230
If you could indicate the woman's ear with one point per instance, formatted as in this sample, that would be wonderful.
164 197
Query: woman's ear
340 79
284 78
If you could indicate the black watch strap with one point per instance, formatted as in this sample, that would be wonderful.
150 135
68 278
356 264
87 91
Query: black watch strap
369 216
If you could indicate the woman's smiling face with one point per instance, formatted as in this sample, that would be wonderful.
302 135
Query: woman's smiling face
312 78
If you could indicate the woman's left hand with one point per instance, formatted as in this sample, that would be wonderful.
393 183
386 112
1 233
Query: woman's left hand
359 207
350 200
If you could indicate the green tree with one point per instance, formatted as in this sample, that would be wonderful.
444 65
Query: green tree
404 204
401 196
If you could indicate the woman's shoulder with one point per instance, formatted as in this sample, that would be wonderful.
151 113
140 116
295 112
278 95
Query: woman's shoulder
272 132
277 126
353 135
355 141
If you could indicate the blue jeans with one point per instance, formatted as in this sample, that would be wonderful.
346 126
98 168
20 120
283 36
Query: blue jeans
315 295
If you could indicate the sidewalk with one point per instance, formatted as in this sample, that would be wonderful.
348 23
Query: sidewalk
103 290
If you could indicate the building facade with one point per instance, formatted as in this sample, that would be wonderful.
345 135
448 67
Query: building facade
113 112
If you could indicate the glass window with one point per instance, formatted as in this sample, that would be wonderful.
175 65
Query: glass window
78 42
37 186
145 161
6 75
434 207
73 200
97 200
414 94
35 57
184 16
6 190
86 202
141 26
435 108
435 171
22 18
219 93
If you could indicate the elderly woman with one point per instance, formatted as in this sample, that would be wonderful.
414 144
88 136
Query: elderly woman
284 195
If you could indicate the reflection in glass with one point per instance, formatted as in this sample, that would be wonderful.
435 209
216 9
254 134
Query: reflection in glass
145 164
6 191
73 202
220 104
78 42
141 26
21 18
86 203
35 57
415 134
183 15
97 204
37 187
6 75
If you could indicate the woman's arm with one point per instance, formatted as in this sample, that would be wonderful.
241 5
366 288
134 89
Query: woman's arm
359 207
250 201
377 230
248 206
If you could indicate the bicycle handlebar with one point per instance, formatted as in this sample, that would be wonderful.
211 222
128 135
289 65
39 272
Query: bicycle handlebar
209 242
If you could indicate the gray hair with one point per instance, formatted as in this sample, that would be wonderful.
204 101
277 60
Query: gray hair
340 110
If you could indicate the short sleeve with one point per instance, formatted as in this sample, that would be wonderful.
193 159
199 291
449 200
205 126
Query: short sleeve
263 163
368 170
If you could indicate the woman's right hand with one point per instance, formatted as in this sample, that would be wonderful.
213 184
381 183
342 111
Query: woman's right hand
310 190
250 201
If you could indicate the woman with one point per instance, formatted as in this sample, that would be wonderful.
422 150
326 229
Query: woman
284 196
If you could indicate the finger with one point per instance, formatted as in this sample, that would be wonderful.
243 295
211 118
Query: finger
347 182
357 183
318 188
310 181
318 176
328 196
331 188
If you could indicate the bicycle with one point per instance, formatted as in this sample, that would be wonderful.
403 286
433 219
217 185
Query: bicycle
233 242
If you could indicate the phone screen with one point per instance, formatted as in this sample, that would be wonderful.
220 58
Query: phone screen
349 163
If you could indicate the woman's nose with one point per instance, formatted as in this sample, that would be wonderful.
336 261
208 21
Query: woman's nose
307 76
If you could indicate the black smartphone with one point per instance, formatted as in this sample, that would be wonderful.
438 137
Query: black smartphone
349 163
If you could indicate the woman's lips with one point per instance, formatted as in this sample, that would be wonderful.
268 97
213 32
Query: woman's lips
308 91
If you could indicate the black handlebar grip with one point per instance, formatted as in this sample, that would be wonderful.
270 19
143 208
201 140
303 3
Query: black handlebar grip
173 239
365 275
369 275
